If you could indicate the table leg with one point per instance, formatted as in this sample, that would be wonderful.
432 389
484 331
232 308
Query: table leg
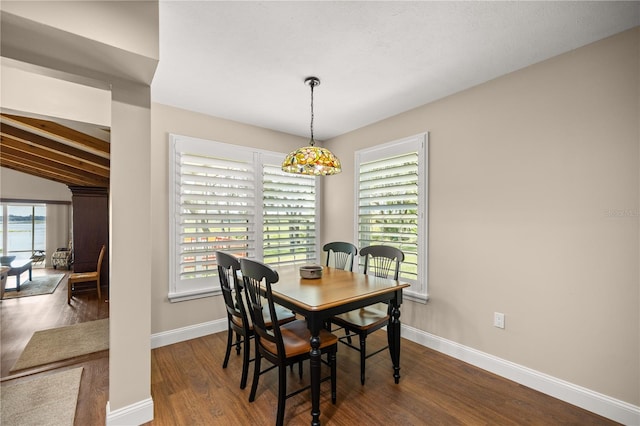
30 279
315 362
18 282
393 336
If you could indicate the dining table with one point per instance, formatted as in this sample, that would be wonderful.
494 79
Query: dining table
335 292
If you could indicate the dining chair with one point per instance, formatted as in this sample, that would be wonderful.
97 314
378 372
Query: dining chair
343 254
81 277
381 261
282 344
238 319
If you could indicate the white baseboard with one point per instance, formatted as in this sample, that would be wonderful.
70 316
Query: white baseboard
135 414
142 411
187 333
595 402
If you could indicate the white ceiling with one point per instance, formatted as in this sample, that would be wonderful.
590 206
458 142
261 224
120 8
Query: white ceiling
246 61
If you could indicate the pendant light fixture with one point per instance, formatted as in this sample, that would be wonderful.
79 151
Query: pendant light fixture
312 160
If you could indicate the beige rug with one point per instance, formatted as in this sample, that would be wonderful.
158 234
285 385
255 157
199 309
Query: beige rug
46 284
46 401
62 343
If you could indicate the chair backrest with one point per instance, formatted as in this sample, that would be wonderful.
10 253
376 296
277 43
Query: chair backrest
100 259
382 261
259 297
228 268
343 254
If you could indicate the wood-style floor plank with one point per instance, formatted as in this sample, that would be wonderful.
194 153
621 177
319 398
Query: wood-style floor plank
190 387
20 318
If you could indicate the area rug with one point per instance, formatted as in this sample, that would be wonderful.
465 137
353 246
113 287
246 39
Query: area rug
45 284
49 400
57 344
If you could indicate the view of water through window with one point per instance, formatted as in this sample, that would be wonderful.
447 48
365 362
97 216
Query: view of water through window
24 230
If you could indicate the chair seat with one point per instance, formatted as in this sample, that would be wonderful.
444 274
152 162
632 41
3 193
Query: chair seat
363 318
83 276
296 335
284 315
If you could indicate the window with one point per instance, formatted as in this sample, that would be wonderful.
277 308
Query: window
235 199
392 194
289 216
23 229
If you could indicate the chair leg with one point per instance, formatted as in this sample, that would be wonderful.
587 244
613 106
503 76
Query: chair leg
282 393
363 355
229 343
333 358
346 333
238 341
256 375
99 291
69 287
245 362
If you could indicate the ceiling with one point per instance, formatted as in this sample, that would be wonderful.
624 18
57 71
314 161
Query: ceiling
246 61
55 151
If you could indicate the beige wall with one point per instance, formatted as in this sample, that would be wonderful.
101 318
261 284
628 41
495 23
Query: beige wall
103 40
108 44
533 212
41 95
22 186
126 25
167 316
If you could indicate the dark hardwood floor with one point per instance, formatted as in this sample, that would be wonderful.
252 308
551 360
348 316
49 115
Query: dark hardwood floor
190 387
20 318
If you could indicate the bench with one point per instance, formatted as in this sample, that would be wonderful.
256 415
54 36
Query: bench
17 268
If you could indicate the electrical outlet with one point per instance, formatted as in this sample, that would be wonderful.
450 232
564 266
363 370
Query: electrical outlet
498 319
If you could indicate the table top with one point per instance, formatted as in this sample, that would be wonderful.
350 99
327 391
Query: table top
20 263
335 287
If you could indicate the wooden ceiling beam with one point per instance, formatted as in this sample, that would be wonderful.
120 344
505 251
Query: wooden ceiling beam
20 166
53 167
28 149
63 132
51 145
53 151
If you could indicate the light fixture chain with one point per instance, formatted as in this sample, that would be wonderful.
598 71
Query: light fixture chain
312 140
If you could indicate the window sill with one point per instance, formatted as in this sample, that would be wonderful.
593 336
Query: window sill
415 297
191 295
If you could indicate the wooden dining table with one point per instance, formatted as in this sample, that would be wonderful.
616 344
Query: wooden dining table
335 292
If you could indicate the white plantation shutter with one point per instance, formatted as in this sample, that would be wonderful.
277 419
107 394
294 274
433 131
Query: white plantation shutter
289 211
234 199
391 189
217 211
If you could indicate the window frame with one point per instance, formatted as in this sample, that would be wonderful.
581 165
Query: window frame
208 286
417 143
4 225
